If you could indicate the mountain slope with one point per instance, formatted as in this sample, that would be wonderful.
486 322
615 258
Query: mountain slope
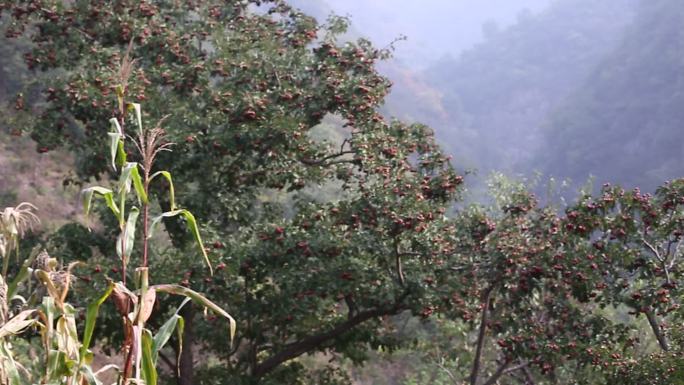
499 94
625 123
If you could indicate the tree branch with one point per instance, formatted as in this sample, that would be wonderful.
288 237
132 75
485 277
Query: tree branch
528 375
504 369
499 372
397 261
316 162
662 340
655 252
307 344
446 370
481 336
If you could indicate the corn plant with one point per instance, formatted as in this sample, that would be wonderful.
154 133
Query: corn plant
65 358
14 221
141 346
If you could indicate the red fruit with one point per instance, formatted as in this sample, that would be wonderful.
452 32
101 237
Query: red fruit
189 139
43 150
218 245
279 230
390 152
97 269
347 276
427 311
221 266
249 114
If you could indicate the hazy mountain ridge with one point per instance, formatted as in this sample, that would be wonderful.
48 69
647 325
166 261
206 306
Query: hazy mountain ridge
624 124
499 93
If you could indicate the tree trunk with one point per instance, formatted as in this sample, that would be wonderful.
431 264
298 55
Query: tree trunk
474 374
662 340
185 364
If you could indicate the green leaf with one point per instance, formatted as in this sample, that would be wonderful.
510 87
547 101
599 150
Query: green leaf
130 173
120 96
47 307
127 236
149 370
121 154
167 175
192 224
58 365
164 334
91 317
88 374
114 138
116 128
106 193
21 276
10 365
199 299
138 117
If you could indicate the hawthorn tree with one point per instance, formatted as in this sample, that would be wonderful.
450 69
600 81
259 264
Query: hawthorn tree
632 242
239 87
518 288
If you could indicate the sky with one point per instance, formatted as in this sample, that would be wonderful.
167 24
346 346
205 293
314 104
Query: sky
433 28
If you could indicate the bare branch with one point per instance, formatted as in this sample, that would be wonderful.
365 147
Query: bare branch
653 250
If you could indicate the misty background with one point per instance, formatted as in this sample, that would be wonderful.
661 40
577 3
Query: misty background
565 88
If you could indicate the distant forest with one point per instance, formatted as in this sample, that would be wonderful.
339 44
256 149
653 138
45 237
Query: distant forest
582 88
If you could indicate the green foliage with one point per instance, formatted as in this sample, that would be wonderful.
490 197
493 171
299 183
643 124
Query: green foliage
324 221
244 88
